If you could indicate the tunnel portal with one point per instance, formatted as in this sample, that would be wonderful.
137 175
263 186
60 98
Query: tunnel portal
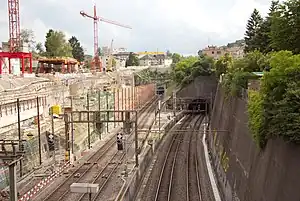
199 105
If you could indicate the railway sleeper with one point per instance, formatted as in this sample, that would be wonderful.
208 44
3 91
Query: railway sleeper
87 163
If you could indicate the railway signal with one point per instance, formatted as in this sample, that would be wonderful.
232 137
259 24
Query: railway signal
120 141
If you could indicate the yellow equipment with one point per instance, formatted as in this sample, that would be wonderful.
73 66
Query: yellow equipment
150 53
56 109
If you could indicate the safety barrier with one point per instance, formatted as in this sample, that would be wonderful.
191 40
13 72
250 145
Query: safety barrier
43 183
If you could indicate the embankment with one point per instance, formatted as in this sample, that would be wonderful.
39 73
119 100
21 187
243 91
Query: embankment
244 171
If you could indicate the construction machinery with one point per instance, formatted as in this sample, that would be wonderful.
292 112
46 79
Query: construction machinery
96 61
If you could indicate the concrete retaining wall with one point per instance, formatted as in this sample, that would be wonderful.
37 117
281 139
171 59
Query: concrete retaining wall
244 171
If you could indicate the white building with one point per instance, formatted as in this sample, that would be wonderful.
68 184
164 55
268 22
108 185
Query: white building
168 61
154 60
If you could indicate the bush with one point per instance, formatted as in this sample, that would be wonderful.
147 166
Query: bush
255 113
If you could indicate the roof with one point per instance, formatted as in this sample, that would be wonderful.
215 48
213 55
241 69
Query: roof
58 60
147 57
260 74
153 57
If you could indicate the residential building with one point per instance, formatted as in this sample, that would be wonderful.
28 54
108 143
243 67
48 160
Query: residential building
121 58
214 51
236 51
154 60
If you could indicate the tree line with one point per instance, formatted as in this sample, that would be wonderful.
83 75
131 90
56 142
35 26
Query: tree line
272 47
56 45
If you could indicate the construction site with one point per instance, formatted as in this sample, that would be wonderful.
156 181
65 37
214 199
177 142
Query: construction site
37 101
66 134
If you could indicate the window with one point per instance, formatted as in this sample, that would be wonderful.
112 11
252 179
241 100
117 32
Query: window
213 52
218 52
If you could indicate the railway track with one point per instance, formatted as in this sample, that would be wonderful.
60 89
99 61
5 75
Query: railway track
193 183
165 181
181 173
91 172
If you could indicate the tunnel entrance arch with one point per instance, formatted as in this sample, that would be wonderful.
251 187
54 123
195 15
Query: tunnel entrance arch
198 105
190 104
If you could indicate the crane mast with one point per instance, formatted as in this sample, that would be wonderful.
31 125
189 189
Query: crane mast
97 62
14 25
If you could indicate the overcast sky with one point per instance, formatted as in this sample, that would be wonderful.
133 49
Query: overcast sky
175 25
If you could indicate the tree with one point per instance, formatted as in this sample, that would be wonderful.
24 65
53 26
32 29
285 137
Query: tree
252 36
56 45
285 23
168 53
27 37
265 29
39 48
132 60
187 69
49 33
223 64
77 50
176 58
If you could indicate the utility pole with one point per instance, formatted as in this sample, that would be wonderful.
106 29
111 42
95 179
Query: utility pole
72 127
19 133
159 108
52 128
174 103
99 108
10 157
118 105
88 118
107 114
39 129
114 93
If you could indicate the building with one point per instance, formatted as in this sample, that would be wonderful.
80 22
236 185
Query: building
105 50
236 51
121 58
214 51
154 60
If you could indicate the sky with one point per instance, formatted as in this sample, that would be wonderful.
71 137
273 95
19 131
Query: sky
157 25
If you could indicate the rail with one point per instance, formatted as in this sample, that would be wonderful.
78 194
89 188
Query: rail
193 188
63 188
170 158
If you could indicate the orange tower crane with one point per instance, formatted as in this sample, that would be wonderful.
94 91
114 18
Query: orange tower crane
97 61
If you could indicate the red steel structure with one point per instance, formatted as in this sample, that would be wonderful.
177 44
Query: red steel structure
14 39
14 25
97 61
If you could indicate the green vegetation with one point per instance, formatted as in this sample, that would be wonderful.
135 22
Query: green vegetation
55 45
272 47
132 60
148 76
77 50
255 112
188 68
